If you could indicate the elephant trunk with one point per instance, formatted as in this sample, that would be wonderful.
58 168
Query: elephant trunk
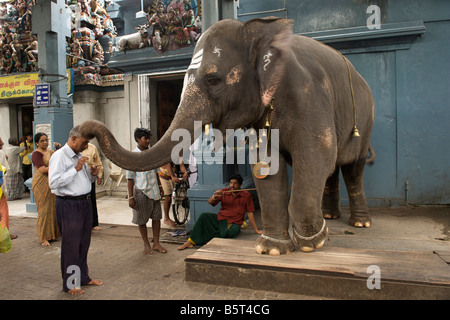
156 156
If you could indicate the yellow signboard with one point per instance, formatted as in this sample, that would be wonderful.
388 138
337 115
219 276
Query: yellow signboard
21 85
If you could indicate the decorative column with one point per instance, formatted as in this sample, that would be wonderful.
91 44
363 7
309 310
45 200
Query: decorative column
53 112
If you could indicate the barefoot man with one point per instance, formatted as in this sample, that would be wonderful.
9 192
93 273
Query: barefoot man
70 180
227 223
144 196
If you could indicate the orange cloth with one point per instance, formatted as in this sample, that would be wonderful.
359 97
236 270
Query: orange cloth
4 210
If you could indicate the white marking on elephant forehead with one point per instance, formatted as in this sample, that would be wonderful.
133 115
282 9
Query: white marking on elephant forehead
196 60
191 79
267 59
217 51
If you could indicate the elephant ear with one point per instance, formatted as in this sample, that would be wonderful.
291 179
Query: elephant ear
269 41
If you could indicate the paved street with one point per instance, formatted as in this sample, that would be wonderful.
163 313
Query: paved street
116 256
30 271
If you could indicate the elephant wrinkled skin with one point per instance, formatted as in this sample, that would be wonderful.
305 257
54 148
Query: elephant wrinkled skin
236 71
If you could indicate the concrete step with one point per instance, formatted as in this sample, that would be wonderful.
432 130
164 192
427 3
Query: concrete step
120 191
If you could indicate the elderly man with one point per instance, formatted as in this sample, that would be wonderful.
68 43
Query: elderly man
227 223
70 179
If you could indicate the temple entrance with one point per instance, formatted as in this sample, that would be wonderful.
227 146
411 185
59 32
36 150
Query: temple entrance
168 97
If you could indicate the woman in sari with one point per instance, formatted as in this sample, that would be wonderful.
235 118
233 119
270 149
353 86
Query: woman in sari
47 227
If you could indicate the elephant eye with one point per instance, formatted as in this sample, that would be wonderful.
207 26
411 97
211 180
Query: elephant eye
213 80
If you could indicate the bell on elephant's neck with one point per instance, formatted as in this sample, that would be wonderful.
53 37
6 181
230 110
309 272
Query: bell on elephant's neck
262 138
267 124
355 132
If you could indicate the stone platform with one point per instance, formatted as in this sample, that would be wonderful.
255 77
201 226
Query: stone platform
333 272
407 250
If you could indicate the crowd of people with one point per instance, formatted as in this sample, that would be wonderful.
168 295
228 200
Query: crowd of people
63 185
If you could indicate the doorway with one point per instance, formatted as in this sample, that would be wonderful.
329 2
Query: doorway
168 98
25 118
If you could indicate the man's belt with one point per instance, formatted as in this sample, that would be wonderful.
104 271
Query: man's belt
83 197
164 176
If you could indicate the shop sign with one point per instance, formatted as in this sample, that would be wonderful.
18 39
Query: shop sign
17 86
22 85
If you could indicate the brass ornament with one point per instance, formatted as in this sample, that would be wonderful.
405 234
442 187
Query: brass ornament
261 170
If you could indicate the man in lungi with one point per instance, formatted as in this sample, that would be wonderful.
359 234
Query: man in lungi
144 196
70 180
227 223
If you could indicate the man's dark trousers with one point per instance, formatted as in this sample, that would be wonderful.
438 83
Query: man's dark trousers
74 219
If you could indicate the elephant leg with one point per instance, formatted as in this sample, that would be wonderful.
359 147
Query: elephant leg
359 210
331 202
309 227
273 197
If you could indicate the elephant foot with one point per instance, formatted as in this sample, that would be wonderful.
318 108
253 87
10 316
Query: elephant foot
316 241
360 221
274 247
331 214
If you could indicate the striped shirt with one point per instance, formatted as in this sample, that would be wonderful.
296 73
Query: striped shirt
146 181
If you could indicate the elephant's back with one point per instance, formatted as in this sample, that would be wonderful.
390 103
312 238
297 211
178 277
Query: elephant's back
326 70
304 47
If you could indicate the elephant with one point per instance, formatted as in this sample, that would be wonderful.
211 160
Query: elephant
237 72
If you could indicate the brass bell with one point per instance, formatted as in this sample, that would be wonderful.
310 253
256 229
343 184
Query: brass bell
355 132
267 125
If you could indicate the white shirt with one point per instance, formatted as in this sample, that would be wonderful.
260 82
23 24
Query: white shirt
146 181
14 162
64 179
3 160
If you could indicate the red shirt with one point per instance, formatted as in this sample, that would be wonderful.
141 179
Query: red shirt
234 208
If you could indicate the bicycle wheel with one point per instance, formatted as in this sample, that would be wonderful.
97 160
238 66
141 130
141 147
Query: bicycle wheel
180 205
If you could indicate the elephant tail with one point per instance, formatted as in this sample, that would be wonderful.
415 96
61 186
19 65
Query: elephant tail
371 158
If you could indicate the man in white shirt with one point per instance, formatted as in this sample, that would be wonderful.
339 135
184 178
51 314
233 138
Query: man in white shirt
70 180
144 197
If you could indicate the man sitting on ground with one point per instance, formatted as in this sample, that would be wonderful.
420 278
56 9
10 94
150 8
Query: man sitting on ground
227 223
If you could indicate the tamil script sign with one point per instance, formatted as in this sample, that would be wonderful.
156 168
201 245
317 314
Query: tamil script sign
22 85
18 86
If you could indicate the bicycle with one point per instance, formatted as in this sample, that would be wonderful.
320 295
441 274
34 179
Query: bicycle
180 201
